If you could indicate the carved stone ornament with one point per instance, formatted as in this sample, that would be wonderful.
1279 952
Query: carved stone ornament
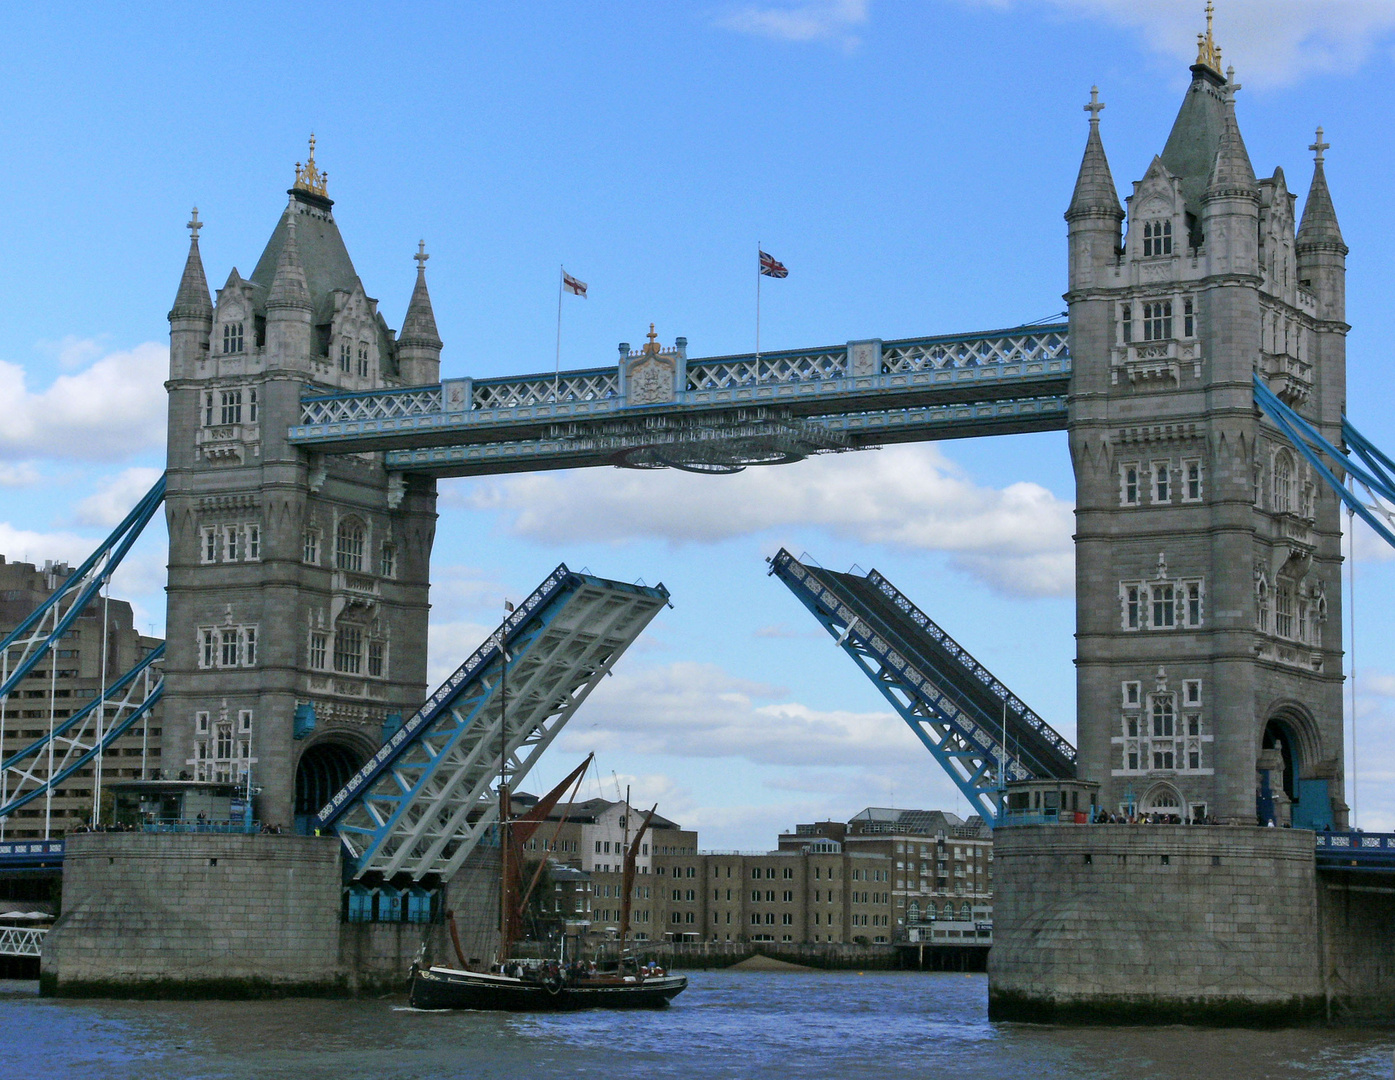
649 381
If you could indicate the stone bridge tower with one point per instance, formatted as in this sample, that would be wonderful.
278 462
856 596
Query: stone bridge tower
297 597
1209 648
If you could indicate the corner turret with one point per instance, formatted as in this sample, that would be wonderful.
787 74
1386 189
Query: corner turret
1094 214
1322 253
191 318
288 308
419 345
1230 206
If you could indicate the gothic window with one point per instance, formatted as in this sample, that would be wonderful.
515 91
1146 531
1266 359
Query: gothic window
208 409
1191 480
244 720
1283 608
1128 481
1164 716
229 649
208 544
1283 482
375 659
1131 692
254 542
1191 693
232 337
252 406
208 654
1188 317
1131 726
348 546
1162 477
231 407
1157 238
1193 592
1157 321
348 650
232 547
249 645
363 360
387 561
311 553
1132 607
1126 317
201 723
346 357
225 742
1262 606
1164 600
317 651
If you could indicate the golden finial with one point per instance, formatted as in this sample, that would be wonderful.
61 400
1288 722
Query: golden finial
307 177
1208 53
652 346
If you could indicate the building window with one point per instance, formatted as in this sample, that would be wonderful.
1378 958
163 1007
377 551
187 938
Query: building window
1188 317
208 544
254 542
249 646
348 650
1162 487
1163 596
1157 238
1193 591
232 548
387 561
375 659
228 657
311 552
1132 607
1283 608
1126 319
208 409
1157 320
362 360
1262 606
252 406
348 546
1164 717
1191 480
1283 482
1128 489
201 723
346 355
230 411
1131 692
1191 693
244 720
232 337
208 649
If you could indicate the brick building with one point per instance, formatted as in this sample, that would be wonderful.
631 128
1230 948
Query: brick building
65 681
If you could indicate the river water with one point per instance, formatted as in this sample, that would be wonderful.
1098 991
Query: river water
729 1025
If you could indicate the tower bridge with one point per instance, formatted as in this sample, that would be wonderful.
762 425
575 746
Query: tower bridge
1200 378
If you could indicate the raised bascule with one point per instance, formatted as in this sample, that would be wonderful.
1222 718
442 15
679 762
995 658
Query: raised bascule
1201 381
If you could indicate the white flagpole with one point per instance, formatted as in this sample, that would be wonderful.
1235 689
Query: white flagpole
758 276
557 368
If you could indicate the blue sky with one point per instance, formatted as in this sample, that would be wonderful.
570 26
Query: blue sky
909 162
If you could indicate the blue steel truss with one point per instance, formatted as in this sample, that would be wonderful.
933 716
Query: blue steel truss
861 394
47 762
425 800
1366 465
31 640
953 704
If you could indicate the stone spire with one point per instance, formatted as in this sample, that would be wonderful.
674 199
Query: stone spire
1319 225
192 300
1231 172
419 345
1095 192
288 287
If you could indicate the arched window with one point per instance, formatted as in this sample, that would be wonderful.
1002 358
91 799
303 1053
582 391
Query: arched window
1262 606
949 910
1283 608
1283 482
348 546
965 911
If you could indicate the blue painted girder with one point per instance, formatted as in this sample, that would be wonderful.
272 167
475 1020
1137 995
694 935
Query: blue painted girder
427 798
952 703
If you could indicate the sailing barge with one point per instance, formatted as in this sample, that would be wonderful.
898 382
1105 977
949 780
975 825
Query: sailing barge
542 986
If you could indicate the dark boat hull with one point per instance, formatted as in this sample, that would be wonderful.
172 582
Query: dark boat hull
447 988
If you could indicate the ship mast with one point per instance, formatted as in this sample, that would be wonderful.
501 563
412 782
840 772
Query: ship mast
627 886
506 919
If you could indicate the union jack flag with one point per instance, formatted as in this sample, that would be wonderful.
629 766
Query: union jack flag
772 267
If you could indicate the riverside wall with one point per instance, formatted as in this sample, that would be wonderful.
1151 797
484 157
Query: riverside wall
228 916
1157 923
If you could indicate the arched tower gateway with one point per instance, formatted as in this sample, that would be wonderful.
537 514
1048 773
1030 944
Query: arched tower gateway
298 582
1209 648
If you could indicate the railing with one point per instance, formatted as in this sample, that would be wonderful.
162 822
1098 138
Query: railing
28 852
1358 850
22 940
208 825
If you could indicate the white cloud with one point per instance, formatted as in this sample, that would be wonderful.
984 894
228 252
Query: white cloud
830 21
110 409
117 499
449 644
1017 539
71 351
19 474
1270 42
26 545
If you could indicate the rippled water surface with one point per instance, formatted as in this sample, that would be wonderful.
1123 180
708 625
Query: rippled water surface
732 1025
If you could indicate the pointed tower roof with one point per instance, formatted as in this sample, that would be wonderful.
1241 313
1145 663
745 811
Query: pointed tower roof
419 327
1191 147
192 300
288 286
1231 172
1319 224
323 257
1094 186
